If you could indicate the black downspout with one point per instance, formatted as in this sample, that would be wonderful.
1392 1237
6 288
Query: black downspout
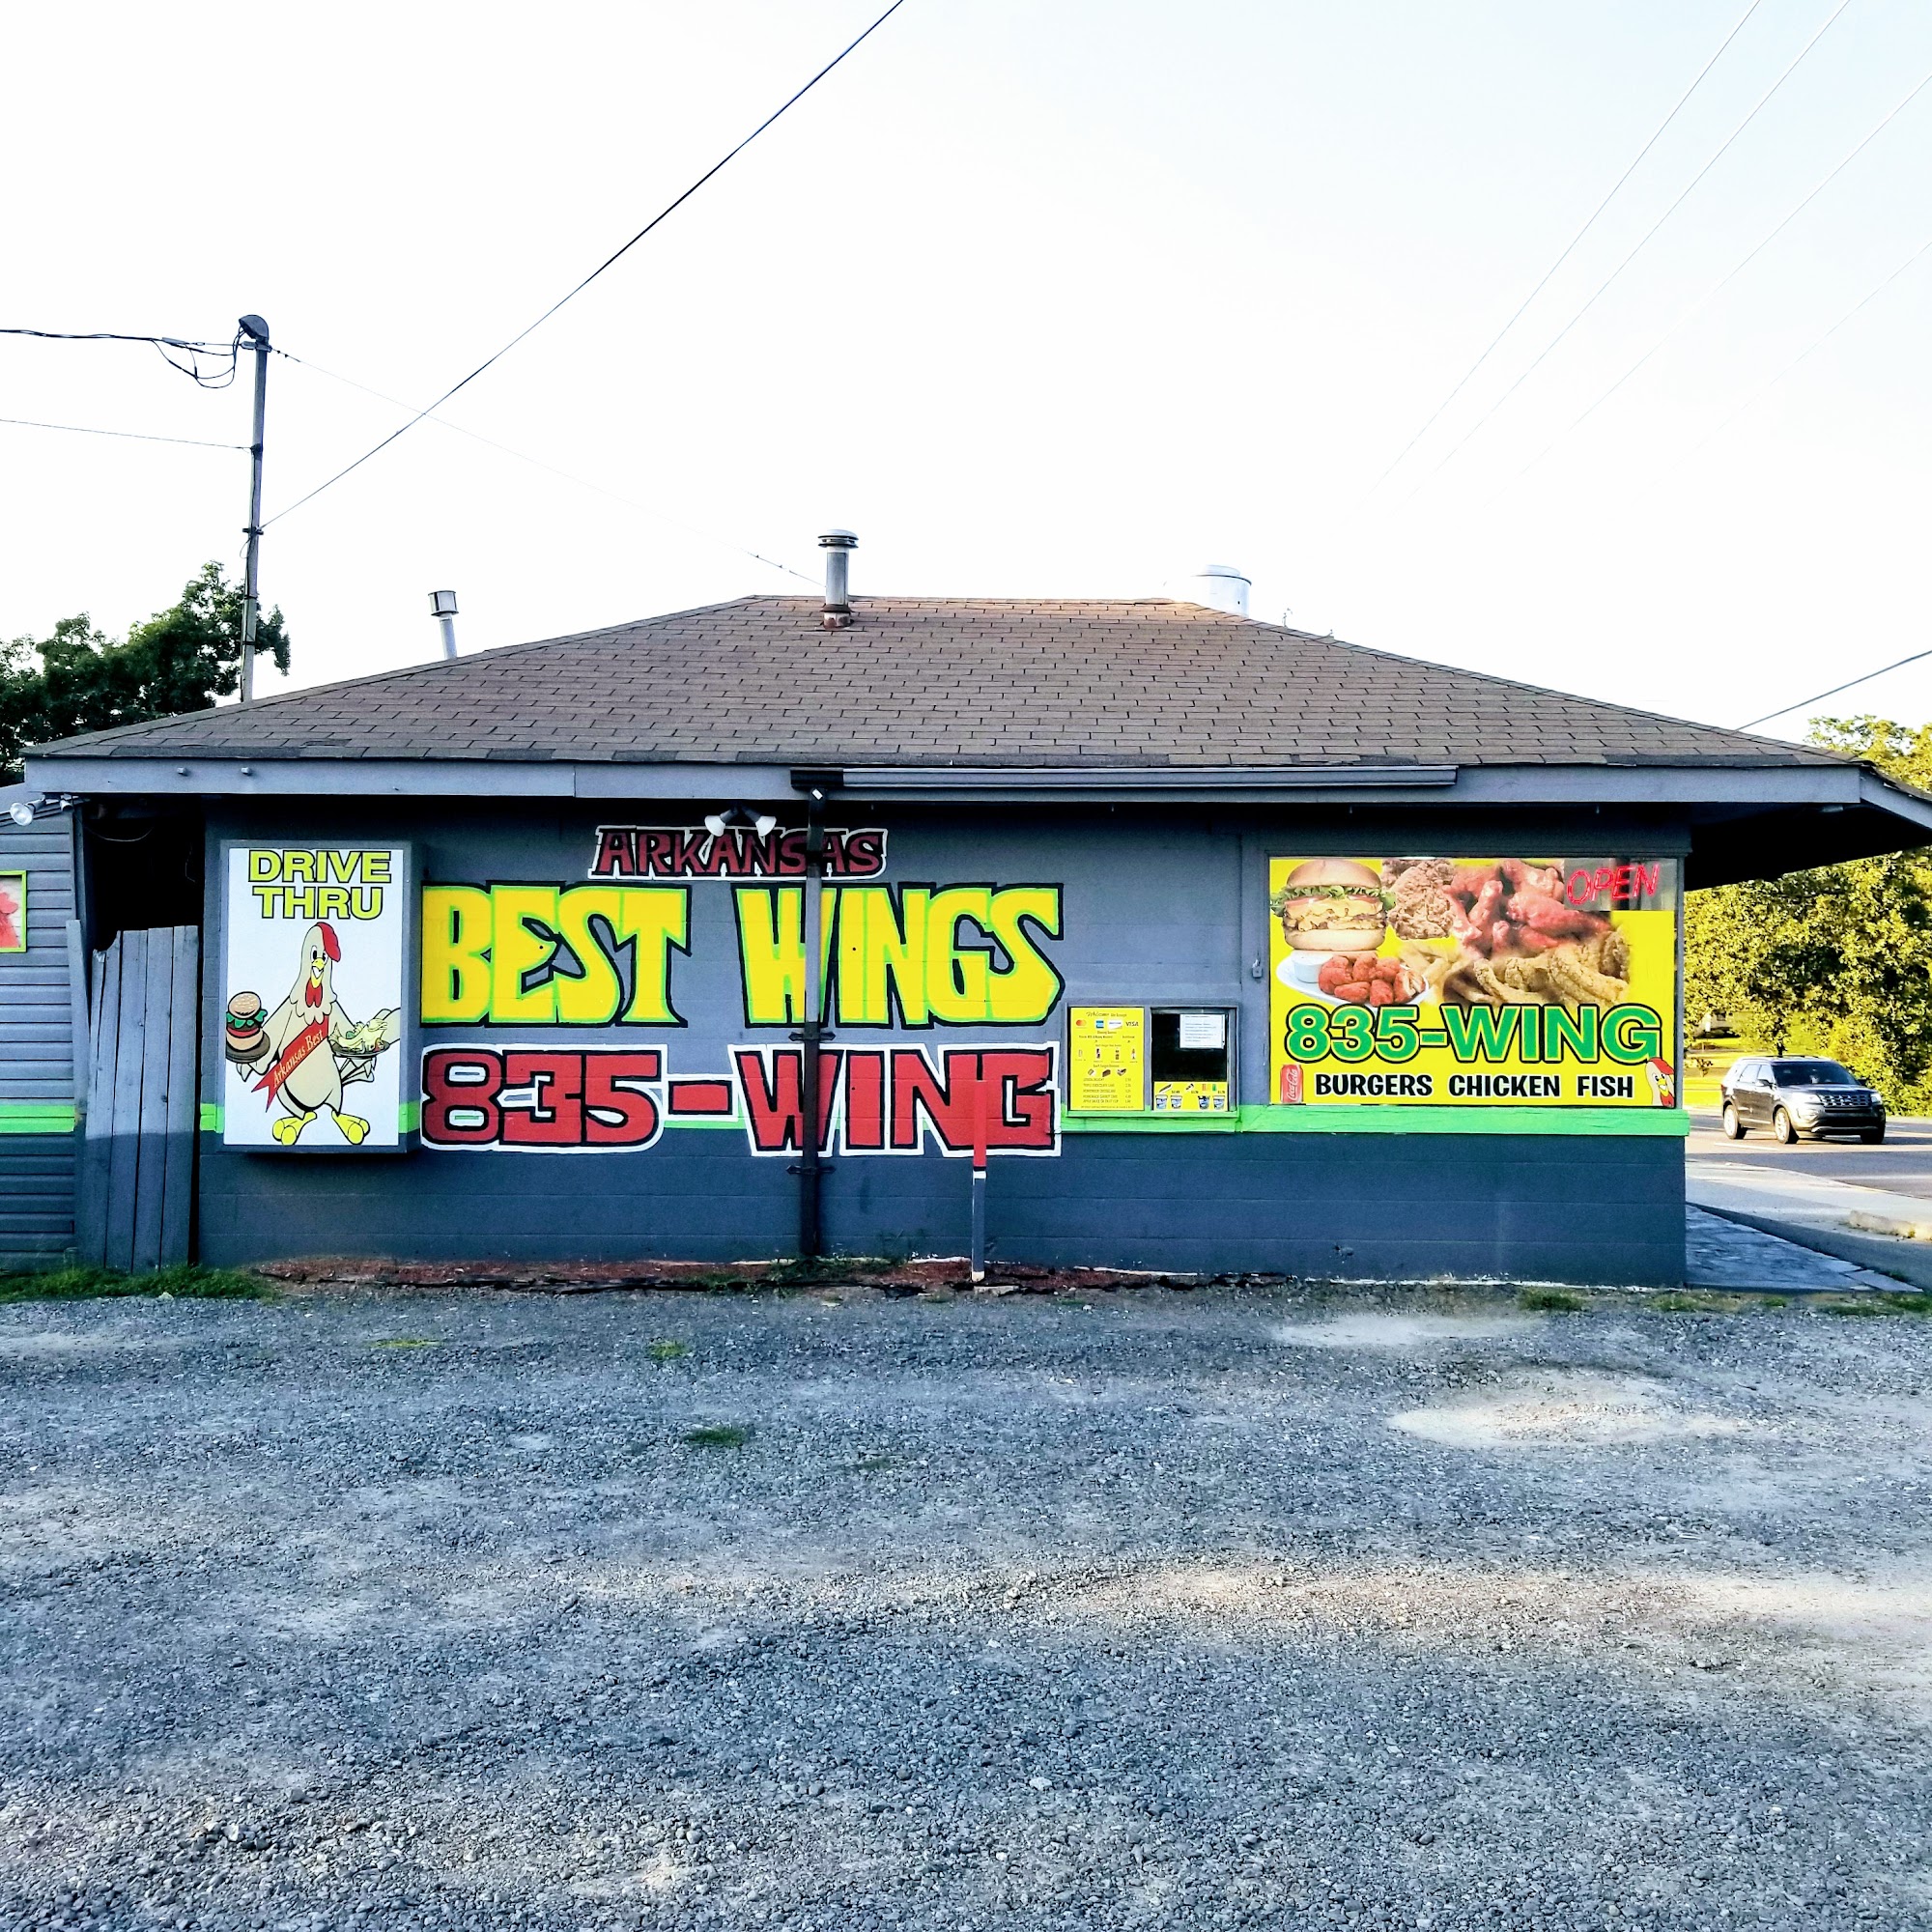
812 1032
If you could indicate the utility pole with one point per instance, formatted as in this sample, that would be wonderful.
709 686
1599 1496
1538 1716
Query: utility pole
256 333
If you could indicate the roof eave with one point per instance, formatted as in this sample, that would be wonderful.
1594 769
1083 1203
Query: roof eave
1723 784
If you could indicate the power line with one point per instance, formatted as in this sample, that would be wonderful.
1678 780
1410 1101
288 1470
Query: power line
132 436
107 335
161 344
584 482
1782 709
1605 286
1863 303
610 261
1571 249
1704 301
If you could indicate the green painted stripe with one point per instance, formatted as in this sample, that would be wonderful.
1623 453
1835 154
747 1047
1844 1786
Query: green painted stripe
211 1117
703 1121
409 1117
1633 1123
37 1116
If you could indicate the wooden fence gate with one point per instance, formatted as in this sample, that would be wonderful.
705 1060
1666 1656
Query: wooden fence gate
137 1165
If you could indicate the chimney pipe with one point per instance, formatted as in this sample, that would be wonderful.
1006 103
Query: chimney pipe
442 608
837 546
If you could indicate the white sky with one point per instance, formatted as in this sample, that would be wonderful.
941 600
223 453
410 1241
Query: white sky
1040 300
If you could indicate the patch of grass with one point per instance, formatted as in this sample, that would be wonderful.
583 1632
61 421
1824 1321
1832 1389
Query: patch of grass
798 1273
870 1465
186 1281
1551 1301
718 1435
1880 1304
405 1341
1704 1301
667 1351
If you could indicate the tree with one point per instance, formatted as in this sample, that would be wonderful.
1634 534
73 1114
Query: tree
182 659
1837 959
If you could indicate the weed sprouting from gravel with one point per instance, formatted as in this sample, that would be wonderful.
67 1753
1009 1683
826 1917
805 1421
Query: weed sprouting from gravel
184 1282
1693 1301
718 1435
871 1466
667 1350
405 1341
1551 1301
1881 1303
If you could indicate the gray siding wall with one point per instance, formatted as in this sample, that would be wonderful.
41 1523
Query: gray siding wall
37 1055
1158 907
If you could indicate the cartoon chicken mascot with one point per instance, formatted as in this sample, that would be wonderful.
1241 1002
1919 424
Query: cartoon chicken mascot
308 1047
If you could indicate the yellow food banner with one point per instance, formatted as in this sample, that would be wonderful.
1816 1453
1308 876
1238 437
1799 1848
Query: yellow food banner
1472 982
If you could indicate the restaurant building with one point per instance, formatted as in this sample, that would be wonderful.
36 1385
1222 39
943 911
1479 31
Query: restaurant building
1218 945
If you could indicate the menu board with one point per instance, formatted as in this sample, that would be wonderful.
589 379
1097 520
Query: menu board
1107 1060
1546 981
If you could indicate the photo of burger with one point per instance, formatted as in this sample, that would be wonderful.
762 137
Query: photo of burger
1331 905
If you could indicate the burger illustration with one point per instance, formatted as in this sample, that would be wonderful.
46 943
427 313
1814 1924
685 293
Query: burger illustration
1331 905
246 1040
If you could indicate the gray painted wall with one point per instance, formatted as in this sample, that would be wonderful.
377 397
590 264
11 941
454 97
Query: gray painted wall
1159 906
37 1057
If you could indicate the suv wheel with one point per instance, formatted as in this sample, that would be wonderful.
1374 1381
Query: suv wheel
1780 1125
1873 1137
1734 1128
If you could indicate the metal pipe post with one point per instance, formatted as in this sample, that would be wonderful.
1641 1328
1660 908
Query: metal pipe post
256 333
810 1242
980 1137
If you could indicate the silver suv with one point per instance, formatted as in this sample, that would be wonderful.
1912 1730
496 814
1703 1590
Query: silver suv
1798 1098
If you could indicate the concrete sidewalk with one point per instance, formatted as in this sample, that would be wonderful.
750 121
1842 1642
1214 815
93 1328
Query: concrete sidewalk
1834 1217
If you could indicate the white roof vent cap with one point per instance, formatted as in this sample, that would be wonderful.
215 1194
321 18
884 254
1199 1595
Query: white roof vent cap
1221 587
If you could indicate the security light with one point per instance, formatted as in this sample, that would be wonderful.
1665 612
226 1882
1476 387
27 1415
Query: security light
24 810
740 818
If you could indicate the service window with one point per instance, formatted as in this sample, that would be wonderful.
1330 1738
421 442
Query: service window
1192 1058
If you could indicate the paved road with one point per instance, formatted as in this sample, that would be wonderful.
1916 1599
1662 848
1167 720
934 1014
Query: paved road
1903 1165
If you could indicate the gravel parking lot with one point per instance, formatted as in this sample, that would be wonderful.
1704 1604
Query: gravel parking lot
835 1610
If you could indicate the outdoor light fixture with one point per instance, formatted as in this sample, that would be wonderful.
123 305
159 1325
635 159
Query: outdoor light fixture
24 810
740 818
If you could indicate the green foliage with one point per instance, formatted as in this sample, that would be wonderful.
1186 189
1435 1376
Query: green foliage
1551 1301
666 1350
718 1436
1836 959
1695 1301
186 1281
80 679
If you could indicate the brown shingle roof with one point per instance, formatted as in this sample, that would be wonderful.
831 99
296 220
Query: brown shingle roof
930 680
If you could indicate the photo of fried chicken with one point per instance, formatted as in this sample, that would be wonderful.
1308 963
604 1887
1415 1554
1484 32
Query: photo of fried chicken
1519 940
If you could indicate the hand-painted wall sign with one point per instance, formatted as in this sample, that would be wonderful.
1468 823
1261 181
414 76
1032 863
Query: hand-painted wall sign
598 955
896 1101
692 852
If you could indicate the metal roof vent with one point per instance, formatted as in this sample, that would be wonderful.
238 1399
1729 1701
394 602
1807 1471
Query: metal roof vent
1220 587
837 546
